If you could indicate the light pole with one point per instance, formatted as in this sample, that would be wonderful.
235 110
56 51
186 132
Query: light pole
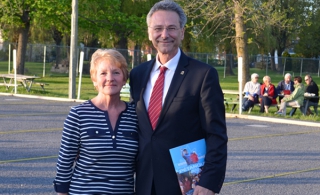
73 50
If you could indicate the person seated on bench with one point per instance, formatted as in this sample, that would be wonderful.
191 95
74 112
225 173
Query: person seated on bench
311 87
286 86
295 98
252 91
268 94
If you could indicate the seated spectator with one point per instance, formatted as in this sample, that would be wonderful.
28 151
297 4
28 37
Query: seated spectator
295 98
252 91
311 87
267 94
285 86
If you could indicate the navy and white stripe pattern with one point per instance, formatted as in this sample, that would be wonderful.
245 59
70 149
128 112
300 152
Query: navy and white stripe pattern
105 164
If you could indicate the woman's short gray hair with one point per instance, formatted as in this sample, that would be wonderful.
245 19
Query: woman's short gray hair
168 5
265 78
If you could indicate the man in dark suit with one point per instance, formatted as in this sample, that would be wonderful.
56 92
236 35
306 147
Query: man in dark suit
192 108
286 86
311 87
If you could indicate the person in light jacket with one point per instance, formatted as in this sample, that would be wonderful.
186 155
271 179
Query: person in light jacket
295 98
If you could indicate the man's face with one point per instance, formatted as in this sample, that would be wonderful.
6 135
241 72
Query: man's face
287 79
165 32
255 79
307 80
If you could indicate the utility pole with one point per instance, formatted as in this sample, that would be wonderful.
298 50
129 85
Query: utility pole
73 50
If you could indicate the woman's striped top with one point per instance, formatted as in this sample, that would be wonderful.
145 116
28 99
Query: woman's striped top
104 158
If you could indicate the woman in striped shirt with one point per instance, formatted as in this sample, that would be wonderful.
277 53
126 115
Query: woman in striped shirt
100 136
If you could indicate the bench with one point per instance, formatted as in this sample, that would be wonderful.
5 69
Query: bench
40 84
315 108
231 101
293 110
125 91
258 104
8 85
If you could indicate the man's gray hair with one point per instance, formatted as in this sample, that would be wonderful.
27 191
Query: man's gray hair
168 5
287 75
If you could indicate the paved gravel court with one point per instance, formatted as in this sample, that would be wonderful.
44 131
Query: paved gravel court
265 158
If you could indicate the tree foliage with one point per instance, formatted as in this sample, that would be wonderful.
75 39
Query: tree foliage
309 37
232 20
18 16
240 26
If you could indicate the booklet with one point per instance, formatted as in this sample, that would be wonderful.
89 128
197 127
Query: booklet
188 160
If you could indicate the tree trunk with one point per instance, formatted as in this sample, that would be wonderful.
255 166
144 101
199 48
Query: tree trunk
23 41
122 45
57 36
241 42
272 61
68 42
229 57
137 55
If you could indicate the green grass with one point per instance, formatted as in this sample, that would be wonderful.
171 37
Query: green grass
58 82
59 86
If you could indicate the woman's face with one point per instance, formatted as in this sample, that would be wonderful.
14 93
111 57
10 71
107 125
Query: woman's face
267 82
109 78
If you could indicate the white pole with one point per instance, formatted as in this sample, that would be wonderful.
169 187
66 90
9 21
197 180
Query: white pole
80 72
9 61
15 70
240 83
44 61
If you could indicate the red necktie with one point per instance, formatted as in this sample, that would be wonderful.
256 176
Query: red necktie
155 104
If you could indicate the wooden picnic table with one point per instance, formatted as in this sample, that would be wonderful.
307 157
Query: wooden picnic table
307 97
25 80
232 92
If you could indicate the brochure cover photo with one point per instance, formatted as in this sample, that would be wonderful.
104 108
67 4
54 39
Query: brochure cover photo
188 160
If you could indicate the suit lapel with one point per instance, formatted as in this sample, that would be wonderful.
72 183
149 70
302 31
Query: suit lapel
146 75
145 78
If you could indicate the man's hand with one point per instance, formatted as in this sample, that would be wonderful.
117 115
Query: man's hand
202 191
250 97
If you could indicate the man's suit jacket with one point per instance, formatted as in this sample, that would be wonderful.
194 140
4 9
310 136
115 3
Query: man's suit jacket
193 109
282 86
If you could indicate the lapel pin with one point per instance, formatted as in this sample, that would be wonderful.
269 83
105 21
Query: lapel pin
182 72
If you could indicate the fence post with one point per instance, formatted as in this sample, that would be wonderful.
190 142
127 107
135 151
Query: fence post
284 66
318 68
267 64
207 59
301 66
225 65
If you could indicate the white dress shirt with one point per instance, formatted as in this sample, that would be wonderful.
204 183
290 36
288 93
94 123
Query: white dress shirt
171 65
